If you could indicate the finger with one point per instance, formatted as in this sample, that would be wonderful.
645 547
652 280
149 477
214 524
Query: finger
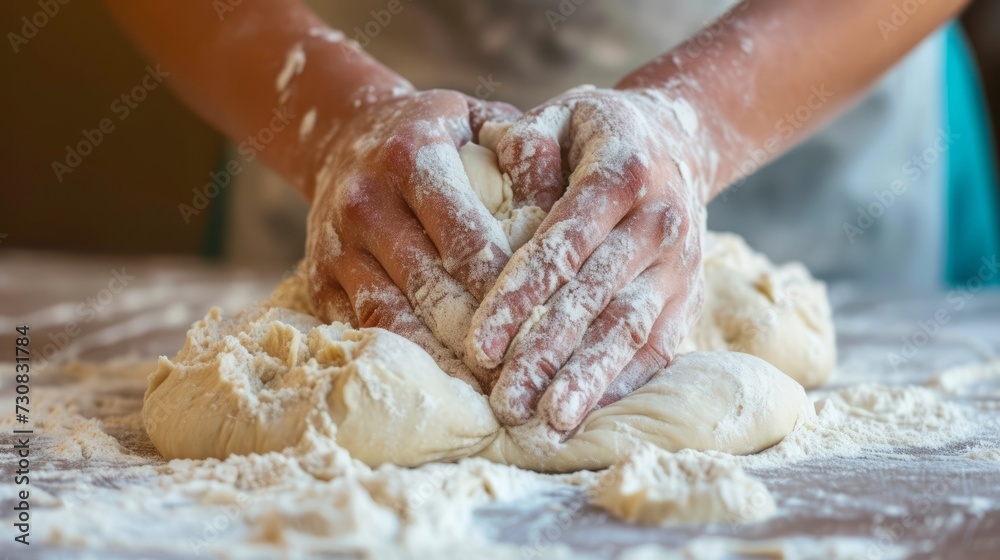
597 200
535 356
482 112
531 154
380 304
643 366
328 298
434 184
650 316
608 345
407 255
331 303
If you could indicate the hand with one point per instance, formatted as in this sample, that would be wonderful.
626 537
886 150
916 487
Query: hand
615 269
397 238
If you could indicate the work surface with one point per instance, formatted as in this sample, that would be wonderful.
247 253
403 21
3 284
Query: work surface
904 502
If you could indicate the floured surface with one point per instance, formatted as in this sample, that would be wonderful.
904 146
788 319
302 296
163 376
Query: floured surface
845 487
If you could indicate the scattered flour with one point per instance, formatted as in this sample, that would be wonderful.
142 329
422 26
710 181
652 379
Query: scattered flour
973 380
295 61
93 455
871 418
652 486
307 124
983 454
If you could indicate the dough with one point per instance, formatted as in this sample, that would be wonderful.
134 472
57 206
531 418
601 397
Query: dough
489 185
494 189
778 313
274 374
654 487
263 380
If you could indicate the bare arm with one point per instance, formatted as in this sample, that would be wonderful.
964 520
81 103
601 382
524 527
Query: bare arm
232 67
771 72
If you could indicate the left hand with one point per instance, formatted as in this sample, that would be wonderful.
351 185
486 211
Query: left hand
616 264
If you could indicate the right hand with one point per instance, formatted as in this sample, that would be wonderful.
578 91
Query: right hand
397 239
611 282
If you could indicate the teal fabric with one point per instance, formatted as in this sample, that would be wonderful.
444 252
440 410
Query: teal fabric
973 210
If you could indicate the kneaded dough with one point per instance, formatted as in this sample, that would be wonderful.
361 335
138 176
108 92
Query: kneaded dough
494 190
260 381
483 170
266 378
778 313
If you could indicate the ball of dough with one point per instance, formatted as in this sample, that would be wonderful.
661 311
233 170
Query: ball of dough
718 401
259 382
778 313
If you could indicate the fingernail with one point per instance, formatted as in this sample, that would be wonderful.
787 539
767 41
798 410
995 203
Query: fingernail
489 352
505 411
565 410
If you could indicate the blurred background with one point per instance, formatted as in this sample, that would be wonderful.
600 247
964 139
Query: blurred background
124 194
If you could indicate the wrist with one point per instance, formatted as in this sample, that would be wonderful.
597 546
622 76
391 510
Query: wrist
692 138
334 88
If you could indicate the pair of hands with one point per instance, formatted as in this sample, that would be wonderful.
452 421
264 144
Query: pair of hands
613 278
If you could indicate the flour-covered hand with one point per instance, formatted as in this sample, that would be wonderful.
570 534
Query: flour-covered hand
396 234
600 298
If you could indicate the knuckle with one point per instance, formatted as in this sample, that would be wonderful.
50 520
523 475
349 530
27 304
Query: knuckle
449 97
671 223
637 333
659 356
397 153
326 296
375 312
478 265
637 178
359 208
547 365
508 403
465 252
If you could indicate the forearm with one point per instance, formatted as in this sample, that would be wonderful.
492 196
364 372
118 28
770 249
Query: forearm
242 72
772 71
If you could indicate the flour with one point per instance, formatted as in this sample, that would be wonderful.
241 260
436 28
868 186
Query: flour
653 487
721 548
866 418
295 61
307 124
314 498
976 380
983 455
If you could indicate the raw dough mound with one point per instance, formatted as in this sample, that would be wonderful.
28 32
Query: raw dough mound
258 382
778 313
654 487
265 379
